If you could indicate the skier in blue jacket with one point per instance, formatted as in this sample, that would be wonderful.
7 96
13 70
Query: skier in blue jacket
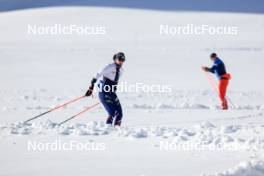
219 70
109 77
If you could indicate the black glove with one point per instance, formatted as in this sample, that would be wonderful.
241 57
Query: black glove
89 91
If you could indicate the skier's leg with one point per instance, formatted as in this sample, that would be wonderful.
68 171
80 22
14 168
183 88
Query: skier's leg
225 90
108 104
222 92
118 112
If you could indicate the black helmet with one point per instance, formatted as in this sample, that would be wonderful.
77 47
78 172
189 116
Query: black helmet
120 56
213 55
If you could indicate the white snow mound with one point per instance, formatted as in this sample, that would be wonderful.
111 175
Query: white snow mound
250 168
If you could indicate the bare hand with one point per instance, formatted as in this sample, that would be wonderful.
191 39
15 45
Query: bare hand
206 69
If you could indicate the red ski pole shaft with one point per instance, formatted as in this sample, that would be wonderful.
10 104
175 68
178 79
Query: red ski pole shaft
83 111
56 107
213 84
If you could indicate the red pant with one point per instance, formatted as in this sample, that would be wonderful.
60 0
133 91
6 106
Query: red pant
223 83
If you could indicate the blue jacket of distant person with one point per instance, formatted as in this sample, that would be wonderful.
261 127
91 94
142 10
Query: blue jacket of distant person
218 68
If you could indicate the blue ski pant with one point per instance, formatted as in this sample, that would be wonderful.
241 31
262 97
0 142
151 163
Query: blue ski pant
113 107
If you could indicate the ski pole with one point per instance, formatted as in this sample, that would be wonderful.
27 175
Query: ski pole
230 101
83 111
211 81
56 107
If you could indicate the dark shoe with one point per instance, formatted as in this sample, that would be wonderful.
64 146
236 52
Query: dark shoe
109 120
118 123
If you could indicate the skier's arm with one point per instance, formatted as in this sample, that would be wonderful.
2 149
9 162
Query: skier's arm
212 69
92 83
91 87
101 73
94 80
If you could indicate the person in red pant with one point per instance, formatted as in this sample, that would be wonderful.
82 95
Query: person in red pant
219 70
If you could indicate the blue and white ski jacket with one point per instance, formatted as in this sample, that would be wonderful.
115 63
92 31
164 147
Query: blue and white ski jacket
109 71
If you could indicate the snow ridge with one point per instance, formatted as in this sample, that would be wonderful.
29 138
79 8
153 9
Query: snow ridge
204 133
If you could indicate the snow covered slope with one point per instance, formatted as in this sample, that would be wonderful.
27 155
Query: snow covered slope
40 71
